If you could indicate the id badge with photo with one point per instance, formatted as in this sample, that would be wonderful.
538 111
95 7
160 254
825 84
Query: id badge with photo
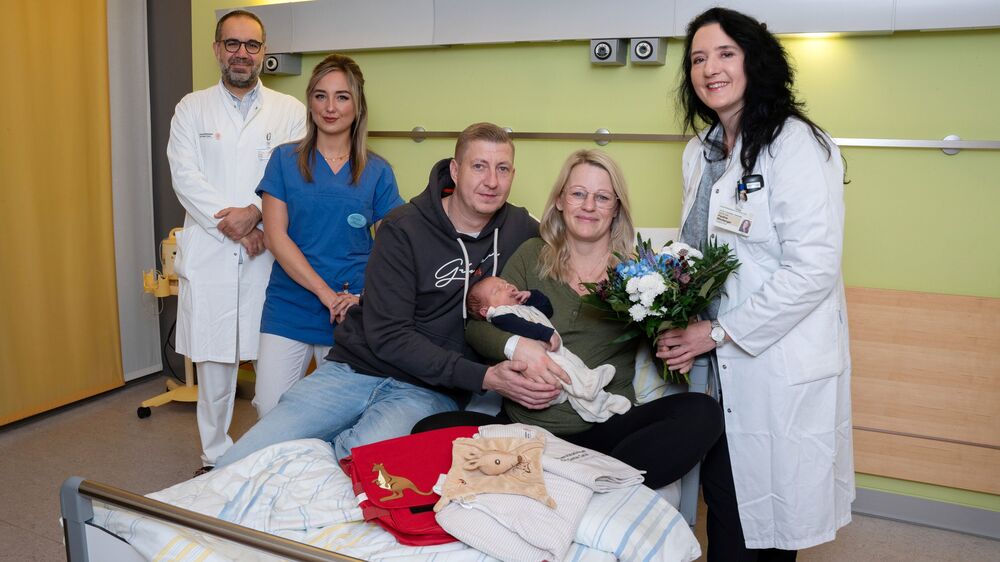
736 220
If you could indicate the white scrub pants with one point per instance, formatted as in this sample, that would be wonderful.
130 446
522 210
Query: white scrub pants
281 362
216 396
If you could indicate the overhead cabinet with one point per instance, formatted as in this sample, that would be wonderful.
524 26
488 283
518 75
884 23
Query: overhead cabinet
953 14
799 16
488 21
347 25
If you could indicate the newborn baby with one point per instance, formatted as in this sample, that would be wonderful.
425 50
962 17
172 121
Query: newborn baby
526 314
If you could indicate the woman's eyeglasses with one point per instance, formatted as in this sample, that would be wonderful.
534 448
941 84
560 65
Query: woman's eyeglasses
602 199
233 46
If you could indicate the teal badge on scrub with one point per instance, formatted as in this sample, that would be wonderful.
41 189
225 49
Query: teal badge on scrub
356 220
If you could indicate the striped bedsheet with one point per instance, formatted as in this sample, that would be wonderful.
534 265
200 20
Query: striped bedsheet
296 490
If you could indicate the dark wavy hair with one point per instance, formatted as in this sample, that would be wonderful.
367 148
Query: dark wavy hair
768 100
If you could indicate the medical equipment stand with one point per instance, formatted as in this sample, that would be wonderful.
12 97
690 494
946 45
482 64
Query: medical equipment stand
175 392
164 285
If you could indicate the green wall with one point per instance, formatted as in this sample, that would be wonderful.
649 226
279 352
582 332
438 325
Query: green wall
916 218
905 206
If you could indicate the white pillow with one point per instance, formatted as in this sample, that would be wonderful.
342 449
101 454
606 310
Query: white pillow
648 382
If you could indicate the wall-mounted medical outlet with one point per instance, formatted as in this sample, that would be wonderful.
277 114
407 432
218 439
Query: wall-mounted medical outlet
610 52
648 50
283 64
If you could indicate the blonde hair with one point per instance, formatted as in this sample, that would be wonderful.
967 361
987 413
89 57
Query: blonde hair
553 260
306 148
481 131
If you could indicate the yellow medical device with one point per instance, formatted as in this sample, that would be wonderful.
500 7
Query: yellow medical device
168 252
163 284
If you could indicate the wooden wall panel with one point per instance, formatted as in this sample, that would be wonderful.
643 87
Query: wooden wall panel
927 366
923 460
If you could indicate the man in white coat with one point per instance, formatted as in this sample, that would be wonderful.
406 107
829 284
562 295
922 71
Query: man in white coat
220 142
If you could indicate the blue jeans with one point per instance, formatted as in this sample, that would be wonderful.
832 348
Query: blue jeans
343 407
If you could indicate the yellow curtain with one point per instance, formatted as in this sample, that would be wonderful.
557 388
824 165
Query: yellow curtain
59 338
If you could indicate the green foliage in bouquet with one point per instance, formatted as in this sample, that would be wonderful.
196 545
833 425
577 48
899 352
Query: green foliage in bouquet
654 291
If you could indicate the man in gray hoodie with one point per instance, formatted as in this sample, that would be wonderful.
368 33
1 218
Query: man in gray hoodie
401 354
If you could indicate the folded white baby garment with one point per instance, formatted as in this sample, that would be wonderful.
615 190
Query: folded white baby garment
517 528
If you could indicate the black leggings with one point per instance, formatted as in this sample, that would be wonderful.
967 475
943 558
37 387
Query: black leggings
665 437
725 532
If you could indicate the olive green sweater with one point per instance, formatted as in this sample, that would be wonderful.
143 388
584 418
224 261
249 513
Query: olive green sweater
583 332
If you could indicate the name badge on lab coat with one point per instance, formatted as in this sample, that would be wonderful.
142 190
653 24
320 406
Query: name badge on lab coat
263 155
734 220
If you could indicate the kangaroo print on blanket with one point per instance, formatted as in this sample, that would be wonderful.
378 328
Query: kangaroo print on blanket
395 484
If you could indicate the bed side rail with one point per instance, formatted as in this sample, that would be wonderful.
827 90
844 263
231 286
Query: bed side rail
76 497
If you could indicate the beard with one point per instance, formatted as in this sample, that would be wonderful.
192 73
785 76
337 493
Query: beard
240 78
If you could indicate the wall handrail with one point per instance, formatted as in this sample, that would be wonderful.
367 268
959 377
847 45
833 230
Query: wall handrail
418 135
927 437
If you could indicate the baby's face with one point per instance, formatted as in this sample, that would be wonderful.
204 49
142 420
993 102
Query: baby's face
497 292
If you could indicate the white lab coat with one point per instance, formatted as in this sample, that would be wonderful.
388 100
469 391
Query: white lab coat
785 377
216 161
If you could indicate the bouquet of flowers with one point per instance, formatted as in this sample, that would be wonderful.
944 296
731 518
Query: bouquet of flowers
655 291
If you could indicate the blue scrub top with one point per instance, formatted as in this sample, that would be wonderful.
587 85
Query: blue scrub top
330 221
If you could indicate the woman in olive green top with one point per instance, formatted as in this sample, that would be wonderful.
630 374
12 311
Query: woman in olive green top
587 218
581 329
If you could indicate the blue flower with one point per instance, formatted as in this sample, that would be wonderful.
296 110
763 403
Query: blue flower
633 268
665 262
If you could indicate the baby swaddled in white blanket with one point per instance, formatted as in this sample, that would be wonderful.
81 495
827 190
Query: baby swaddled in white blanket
526 314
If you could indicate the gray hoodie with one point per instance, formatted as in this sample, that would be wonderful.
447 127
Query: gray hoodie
410 325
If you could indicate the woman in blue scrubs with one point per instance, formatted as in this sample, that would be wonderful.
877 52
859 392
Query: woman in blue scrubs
321 198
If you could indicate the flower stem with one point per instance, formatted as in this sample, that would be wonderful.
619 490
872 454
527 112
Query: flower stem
673 376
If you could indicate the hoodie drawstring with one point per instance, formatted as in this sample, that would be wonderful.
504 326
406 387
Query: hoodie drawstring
496 254
468 267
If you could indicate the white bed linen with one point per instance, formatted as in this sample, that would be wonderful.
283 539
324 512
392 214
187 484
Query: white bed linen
296 490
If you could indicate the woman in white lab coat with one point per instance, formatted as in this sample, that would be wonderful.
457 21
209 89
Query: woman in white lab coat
764 179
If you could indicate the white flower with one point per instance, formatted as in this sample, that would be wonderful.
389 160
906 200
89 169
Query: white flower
674 249
645 289
638 312
632 288
650 286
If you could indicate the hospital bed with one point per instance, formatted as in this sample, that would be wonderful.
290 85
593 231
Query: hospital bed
85 541
291 501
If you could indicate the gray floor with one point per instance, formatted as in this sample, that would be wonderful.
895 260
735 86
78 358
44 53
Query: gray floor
102 439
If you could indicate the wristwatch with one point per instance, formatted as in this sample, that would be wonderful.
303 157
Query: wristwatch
717 334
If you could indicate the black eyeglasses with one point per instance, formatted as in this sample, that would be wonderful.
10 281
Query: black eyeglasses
233 45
